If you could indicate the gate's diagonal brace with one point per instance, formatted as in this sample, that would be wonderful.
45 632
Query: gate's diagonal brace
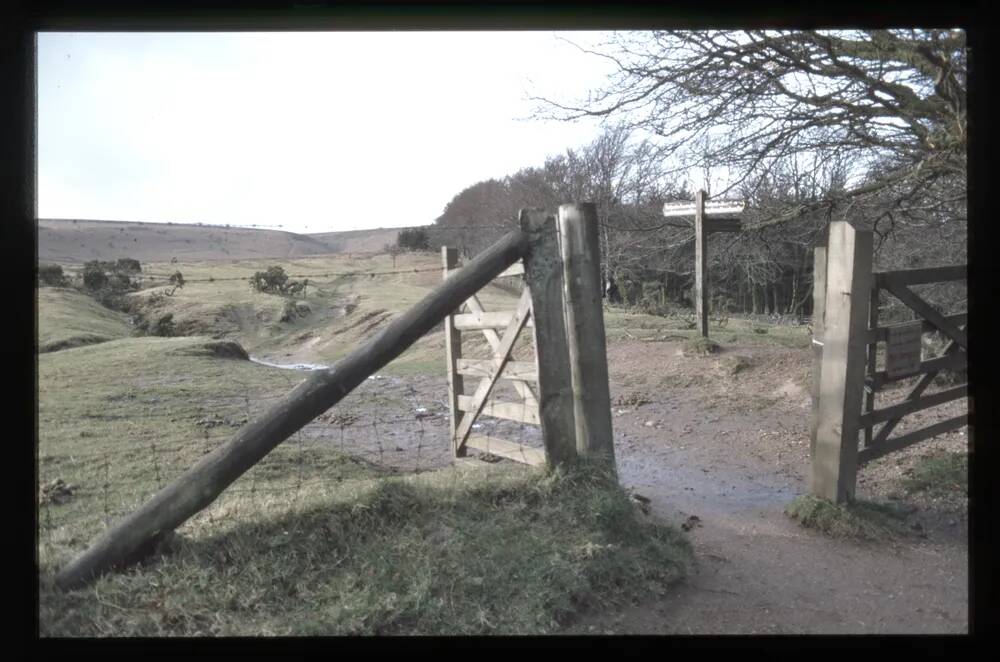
906 295
482 392
523 388
919 388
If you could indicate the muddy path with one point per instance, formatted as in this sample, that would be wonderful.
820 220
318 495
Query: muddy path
731 450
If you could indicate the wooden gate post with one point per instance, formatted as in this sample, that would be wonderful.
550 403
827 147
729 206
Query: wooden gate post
818 322
453 352
543 275
849 282
580 248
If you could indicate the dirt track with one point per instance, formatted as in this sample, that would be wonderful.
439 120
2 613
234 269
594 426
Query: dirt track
732 450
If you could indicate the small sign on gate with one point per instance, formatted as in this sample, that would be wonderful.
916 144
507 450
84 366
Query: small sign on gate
903 349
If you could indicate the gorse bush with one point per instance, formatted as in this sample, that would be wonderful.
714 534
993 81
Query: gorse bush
276 281
117 276
94 277
413 239
51 274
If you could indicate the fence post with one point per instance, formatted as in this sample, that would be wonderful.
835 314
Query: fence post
579 245
849 282
543 275
453 352
700 264
818 322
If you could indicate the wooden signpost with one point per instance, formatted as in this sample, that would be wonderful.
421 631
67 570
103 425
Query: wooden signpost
703 226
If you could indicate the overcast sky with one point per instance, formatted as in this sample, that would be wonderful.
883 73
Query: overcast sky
311 131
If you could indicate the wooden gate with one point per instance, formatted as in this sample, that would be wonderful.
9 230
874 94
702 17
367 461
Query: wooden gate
523 375
846 377
570 370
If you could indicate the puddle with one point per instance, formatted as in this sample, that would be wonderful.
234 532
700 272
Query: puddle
681 482
291 366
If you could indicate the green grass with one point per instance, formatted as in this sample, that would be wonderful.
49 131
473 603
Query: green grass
857 520
939 473
311 541
498 550
68 318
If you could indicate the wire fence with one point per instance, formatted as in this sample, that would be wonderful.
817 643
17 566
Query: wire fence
390 425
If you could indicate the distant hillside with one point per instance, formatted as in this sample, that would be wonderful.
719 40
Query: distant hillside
358 241
65 241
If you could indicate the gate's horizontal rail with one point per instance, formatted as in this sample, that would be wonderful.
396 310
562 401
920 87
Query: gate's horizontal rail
516 269
508 449
926 311
955 361
910 406
897 443
881 334
922 276
517 370
485 320
511 411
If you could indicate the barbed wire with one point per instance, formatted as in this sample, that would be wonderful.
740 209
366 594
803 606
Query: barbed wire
328 274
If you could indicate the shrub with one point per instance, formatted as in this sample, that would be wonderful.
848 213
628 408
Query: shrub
113 276
51 274
177 280
275 281
271 281
94 277
163 326
414 239
699 346
128 265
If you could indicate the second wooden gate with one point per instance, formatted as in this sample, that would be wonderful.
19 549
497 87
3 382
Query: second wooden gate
846 375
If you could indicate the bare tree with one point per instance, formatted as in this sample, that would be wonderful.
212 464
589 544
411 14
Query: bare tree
892 103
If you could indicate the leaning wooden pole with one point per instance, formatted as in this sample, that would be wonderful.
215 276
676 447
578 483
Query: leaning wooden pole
584 311
127 541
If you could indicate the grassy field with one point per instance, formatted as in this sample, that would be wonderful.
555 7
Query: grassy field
67 318
309 541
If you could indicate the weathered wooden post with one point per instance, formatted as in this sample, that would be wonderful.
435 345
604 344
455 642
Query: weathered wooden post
453 352
543 274
849 282
584 312
818 320
703 226
125 542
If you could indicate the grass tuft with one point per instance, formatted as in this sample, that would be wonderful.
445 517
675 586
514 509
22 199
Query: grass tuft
858 520
939 473
701 346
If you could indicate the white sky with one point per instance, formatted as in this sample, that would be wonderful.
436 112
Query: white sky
314 131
